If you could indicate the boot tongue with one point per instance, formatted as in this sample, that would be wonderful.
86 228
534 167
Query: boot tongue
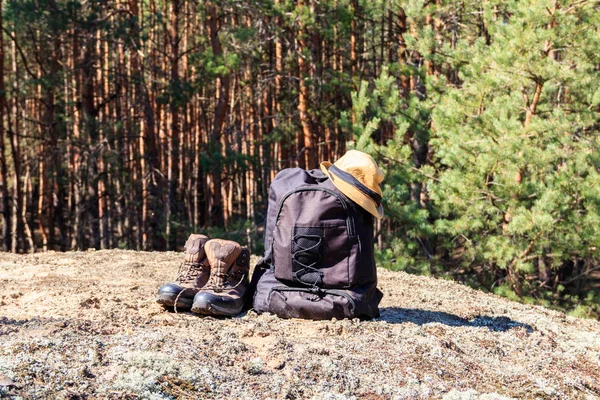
221 254
194 248
195 258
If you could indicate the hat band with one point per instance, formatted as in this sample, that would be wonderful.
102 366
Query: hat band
349 178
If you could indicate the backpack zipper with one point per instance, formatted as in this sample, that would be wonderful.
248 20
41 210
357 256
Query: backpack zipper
340 293
349 221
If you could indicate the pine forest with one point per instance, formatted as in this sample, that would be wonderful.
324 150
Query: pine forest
133 123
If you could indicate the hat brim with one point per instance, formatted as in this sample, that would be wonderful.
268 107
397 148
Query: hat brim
352 192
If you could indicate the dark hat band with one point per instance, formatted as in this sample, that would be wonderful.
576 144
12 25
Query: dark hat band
349 178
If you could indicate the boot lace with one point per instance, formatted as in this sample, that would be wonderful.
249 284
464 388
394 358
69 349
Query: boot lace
188 272
218 281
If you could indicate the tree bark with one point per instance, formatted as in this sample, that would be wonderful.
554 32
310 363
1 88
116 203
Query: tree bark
309 156
4 195
147 146
216 204
173 156
18 229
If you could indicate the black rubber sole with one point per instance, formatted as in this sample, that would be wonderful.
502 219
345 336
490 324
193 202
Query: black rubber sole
168 300
205 307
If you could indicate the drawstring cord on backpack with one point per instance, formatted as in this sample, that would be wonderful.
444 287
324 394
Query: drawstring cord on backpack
308 251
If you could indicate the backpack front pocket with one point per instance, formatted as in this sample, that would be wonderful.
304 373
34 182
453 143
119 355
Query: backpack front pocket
282 252
306 303
315 256
313 236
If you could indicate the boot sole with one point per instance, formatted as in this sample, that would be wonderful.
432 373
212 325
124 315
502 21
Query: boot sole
168 300
203 307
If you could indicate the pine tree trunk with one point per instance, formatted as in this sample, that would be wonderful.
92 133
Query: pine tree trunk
4 195
402 28
147 147
90 123
173 146
27 189
284 143
216 204
102 93
308 159
18 231
78 237
41 194
354 39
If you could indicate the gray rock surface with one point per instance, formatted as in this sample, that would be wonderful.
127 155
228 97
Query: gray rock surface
85 325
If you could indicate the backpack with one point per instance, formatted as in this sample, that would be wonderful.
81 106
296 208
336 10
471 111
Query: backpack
319 261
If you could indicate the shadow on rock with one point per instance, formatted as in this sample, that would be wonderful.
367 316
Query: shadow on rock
396 315
13 322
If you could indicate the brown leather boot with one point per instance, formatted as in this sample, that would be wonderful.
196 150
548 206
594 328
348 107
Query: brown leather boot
193 274
226 292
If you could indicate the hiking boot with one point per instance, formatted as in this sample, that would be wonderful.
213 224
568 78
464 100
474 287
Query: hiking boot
193 274
227 290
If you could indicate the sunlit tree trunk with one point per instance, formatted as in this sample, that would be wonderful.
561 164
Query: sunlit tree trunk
147 147
4 200
222 101
308 158
17 220
174 131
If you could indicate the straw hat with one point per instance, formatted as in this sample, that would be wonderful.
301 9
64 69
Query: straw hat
357 175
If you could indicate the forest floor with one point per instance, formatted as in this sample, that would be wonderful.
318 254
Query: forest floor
85 325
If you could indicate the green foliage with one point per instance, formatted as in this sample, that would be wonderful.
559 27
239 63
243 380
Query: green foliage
516 186
588 307
509 193
375 108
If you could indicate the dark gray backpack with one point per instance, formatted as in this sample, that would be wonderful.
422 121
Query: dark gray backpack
319 261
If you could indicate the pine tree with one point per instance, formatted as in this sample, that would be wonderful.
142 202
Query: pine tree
516 147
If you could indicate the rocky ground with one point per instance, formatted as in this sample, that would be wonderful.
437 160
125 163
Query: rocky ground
85 325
